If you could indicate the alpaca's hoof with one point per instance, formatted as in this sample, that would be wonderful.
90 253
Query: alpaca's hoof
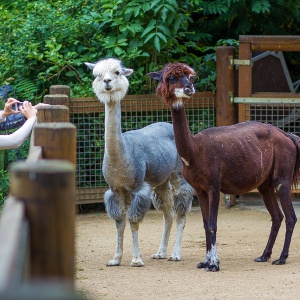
174 258
280 261
212 268
202 265
137 263
113 262
261 259
158 256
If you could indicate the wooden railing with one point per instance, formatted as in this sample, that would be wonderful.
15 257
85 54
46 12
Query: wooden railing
37 223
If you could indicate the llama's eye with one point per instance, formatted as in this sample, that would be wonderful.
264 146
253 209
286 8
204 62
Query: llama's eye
172 79
193 78
97 75
118 73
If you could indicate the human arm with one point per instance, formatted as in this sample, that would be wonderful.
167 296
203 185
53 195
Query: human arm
13 119
17 138
9 117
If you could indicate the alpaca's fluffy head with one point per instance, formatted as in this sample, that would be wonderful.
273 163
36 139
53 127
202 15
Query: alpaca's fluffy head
110 82
175 83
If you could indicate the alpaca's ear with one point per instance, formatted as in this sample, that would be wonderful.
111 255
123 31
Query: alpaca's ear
127 72
90 65
156 75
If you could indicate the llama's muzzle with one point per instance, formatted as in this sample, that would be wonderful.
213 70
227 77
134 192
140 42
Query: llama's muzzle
189 89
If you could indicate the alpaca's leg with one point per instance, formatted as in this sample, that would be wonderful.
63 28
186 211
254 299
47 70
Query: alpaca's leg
140 204
268 194
212 258
163 200
136 253
176 254
284 194
204 205
183 202
115 211
120 224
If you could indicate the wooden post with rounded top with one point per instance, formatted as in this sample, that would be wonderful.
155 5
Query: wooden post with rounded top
57 139
226 111
48 191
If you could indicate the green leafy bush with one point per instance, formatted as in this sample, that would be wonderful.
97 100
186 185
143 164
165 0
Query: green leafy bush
47 42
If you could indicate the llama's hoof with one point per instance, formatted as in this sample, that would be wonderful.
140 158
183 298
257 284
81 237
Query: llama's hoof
113 263
212 268
174 258
137 264
202 265
261 259
158 256
280 261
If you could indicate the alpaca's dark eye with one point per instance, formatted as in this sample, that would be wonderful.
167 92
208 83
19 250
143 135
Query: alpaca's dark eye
117 73
98 75
172 79
193 79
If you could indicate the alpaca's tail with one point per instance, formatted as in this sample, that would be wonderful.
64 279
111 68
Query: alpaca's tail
296 141
183 194
183 199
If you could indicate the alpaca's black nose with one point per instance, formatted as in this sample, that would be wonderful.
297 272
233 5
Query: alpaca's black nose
189 89
107 80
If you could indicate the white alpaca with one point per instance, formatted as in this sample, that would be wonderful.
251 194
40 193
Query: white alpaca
137 164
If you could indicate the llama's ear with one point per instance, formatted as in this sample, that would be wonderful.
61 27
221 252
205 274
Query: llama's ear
156 75
90 65
127 72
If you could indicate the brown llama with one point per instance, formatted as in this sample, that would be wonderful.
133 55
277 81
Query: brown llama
234 160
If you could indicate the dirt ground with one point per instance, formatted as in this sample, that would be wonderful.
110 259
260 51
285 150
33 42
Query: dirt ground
242 236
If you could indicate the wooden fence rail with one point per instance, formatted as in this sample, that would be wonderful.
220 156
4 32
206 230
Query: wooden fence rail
37 222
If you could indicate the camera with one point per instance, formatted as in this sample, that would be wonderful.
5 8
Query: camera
17 105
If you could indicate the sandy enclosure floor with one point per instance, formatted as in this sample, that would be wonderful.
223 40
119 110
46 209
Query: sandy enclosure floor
242 236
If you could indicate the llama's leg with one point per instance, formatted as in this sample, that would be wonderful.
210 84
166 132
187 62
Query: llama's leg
204 205
116 261
212 254
183 202
284 194
140 204
163 200
268 195
115 211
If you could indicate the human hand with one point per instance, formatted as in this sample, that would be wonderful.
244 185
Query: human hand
8 107
28 110
40 105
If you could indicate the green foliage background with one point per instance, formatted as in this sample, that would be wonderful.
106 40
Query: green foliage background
46 42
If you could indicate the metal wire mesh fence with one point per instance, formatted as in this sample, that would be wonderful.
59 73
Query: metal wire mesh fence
285 116
138 111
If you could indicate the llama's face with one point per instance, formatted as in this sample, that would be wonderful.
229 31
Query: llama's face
110 82
175 83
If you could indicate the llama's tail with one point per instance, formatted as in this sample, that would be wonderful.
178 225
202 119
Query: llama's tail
183 193
296 141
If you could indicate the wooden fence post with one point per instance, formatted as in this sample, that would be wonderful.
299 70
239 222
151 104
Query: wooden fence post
226 113
53 113
60 90
48 190
57 100
49 135
225 109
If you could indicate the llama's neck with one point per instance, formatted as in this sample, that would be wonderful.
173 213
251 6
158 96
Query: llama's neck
114 139
183 136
